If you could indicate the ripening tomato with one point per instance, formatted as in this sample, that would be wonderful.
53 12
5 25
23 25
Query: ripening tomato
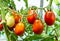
9 20
19 29
31 19
37 27
49 18
16 16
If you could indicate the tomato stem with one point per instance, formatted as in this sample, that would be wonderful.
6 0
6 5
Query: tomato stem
56 35
4 25
56 38
50 4
46 29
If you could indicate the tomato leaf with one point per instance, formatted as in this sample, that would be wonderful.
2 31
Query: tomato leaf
48 39
13 37
26 2
12 4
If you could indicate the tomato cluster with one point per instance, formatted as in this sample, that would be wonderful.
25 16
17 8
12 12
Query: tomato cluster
19 26
37 25
13 21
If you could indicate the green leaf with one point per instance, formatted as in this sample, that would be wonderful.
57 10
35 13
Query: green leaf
57 11
12 4
13 37
48 39
26 2
58 18
34 37
34 7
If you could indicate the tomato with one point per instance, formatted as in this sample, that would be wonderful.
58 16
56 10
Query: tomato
37 27
1 27
19 28
49 18
10 20
31 16
31 19
16 16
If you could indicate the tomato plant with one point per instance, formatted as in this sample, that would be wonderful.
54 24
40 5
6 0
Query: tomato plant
30 23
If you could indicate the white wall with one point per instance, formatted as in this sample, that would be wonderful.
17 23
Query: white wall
21 3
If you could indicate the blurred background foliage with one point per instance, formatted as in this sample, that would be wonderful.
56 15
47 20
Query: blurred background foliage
29 35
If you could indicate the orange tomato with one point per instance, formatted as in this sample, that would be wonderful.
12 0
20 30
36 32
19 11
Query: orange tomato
37 27
19 29
17 18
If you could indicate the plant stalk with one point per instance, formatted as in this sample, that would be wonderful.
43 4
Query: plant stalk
46 29
50 4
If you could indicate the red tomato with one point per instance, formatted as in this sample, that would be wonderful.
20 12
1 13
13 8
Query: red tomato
19 29
1 27
17 18
49 18
37 27
31 18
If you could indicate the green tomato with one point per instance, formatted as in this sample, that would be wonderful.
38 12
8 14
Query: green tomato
10 20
